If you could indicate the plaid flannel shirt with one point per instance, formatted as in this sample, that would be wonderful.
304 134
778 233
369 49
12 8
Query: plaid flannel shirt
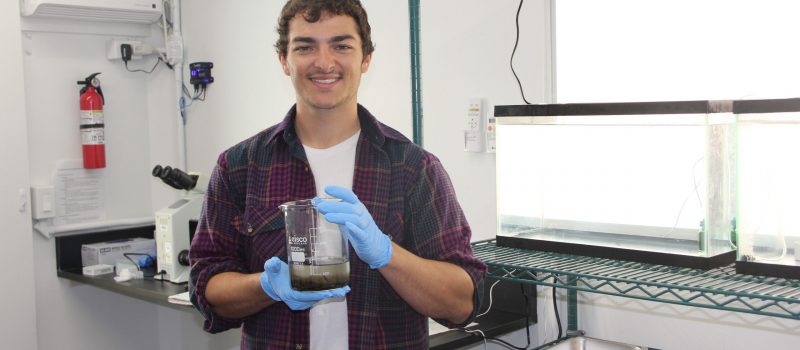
404 187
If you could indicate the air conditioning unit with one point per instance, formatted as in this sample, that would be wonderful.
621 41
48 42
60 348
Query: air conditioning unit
130 11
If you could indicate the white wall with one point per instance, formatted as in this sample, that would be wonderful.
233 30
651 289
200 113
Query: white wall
465 51
140 130
666 326
18 324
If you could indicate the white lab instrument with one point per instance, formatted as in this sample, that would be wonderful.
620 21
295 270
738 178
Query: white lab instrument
173 237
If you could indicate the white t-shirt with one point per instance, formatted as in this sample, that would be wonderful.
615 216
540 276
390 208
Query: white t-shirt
331 166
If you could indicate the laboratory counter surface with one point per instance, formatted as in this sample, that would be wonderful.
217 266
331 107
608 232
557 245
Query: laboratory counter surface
147 289
506 316
68 259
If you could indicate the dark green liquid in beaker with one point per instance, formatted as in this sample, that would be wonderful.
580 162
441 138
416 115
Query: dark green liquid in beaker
334 274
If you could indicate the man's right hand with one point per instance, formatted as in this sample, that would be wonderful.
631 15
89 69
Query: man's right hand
275 282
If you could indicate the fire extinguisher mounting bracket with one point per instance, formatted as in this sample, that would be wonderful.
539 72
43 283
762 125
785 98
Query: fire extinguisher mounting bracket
92 81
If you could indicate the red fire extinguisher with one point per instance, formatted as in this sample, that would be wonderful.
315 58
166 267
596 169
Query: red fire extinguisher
92 123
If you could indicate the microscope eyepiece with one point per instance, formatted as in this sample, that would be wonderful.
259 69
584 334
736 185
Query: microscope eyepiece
157 171
166 173
175 177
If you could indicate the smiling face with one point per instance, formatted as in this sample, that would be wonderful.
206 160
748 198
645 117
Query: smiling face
325 61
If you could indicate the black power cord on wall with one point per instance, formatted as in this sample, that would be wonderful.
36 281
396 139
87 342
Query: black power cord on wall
516 43
126 51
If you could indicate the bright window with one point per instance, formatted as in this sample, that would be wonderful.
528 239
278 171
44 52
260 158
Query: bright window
644 50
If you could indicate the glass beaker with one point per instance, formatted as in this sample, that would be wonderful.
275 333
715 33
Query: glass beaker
316 250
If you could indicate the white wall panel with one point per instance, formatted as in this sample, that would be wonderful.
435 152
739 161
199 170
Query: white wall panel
18 325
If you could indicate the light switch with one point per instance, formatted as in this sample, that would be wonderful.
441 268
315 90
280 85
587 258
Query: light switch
43 202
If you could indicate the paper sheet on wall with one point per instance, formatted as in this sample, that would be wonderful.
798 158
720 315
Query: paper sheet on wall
79 194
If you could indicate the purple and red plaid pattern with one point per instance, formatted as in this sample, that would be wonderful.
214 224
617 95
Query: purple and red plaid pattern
406 190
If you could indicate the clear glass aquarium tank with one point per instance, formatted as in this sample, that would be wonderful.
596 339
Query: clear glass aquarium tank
768 222
646 181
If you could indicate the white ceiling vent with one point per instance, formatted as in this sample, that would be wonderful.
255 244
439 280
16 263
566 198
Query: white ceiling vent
130 11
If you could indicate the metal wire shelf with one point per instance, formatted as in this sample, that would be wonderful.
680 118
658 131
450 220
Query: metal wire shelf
719 288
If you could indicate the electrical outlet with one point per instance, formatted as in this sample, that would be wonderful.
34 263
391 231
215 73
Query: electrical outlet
139 49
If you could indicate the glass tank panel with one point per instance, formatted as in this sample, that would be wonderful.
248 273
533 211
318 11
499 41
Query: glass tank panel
638 178
768 221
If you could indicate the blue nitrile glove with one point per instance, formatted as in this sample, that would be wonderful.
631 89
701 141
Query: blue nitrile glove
275 281
371 245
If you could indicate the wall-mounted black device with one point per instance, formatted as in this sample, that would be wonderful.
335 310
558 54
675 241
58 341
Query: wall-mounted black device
126 52
200 73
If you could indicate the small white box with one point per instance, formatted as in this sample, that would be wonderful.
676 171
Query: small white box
96 270
109 252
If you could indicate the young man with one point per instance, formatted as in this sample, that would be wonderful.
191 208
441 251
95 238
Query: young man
410 256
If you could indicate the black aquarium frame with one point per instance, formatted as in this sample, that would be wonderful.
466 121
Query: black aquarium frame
642 256
615 108
782 105
768 269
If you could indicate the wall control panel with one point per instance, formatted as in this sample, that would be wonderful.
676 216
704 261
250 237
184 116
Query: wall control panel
474 126
479 127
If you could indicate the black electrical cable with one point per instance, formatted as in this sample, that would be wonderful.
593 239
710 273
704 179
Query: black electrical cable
171 67
128 255
160 273
516 42
199 90
505 343
202 93
527 327
527 316
555 307
527 324
142 70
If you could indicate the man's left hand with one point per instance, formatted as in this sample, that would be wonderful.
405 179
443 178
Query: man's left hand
371 245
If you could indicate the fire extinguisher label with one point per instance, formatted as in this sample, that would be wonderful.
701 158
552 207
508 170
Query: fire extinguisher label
93 136
91 117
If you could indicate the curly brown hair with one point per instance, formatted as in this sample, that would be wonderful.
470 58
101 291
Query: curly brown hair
312 10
